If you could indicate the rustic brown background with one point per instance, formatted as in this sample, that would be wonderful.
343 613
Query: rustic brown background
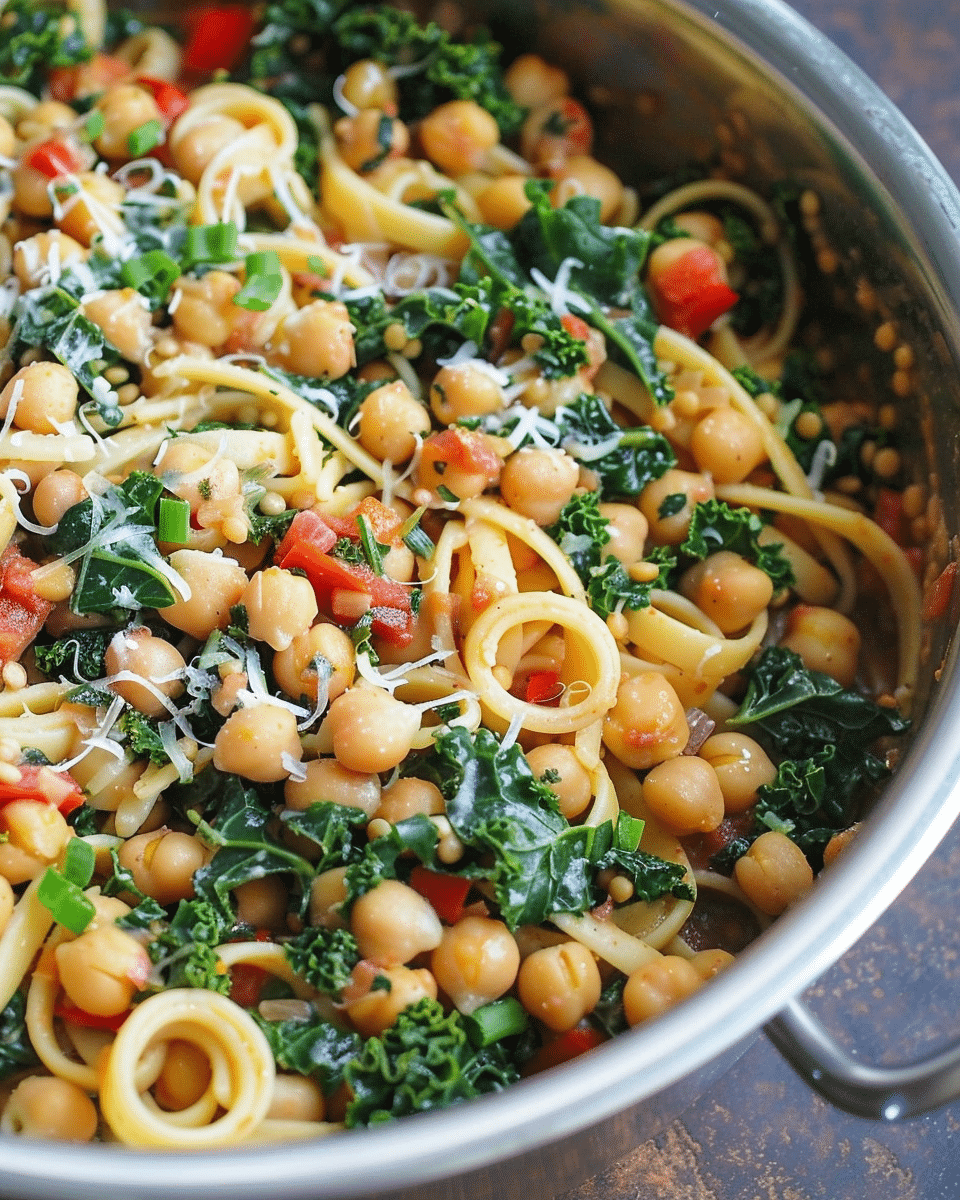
760 1134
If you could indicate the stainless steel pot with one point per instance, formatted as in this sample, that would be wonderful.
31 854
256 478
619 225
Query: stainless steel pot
752 81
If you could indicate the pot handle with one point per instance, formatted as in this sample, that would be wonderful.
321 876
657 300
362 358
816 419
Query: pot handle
877 1093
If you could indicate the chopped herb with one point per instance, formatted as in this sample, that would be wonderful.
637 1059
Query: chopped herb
65 901
145 137
152 275
173 521
211 244
263 282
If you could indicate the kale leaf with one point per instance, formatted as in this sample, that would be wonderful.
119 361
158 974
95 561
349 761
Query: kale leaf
715 526
324 958
423 1061
143 736
77 656
16 1052
335 829
312 1047
35 38
185 950
624 460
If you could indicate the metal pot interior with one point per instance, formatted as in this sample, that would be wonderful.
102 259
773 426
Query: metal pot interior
750 86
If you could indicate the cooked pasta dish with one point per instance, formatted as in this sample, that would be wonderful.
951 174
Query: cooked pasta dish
433 572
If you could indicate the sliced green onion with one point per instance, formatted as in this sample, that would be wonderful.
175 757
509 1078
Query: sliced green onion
317 266
93 126
145 137
445 494
372 549
173 520
65 901
152 273
495 1021
263 282
79 862
628 832
416 538
211 243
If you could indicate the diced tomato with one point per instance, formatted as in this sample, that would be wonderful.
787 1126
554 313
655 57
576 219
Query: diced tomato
88 1020
170 99
45 785
55 157
218 37
306 527
246 983
889 513
690 292
938 596
384 523
22 611
544 687
478 465
562 1049
446 893
87 79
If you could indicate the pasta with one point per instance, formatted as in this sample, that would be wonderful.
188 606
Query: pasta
430 585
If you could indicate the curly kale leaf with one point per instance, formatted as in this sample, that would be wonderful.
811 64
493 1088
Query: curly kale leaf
143 737
314 1047
716 526
324 958
183 949
35 38
424 1061
624 460
76 657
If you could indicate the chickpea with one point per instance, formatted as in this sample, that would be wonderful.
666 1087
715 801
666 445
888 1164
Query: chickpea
462 461
504 201
45 394
709 963
458 135
466 390
216 585
672 528
125 107
684 794
476 962
703 226
163 863
262 903
98 193
102 969
125 320
727 589
371 730
399 563
327 893
368 84
409 797
538 483
741 765
574 788
390 420
582 175
377 1008
826 640
32 837
206 312
318 340
628 530
184 1076
532 81
329 782
45 1106
196 147
280 606
32 256
152 659
295 667
31 194
296 1098
393 924
647 725
657 986
839 842
727 445
45 118
368 139
254 742
774 873
559 985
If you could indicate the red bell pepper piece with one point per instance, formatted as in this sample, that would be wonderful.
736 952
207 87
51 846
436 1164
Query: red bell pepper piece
218 37
55 157
690 292
79 1016
446 893
562 1049
169 99
544 687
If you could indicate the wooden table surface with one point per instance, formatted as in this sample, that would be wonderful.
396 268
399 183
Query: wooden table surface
759 1133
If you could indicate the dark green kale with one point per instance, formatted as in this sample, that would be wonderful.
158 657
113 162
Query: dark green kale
113 536
324 958
624 460
183 948
34 38
143 736
336 830
581 532
715 526
424 1061
314 1047
76 657
16 1052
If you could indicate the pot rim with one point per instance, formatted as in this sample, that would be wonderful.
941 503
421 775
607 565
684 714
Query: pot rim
914 814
